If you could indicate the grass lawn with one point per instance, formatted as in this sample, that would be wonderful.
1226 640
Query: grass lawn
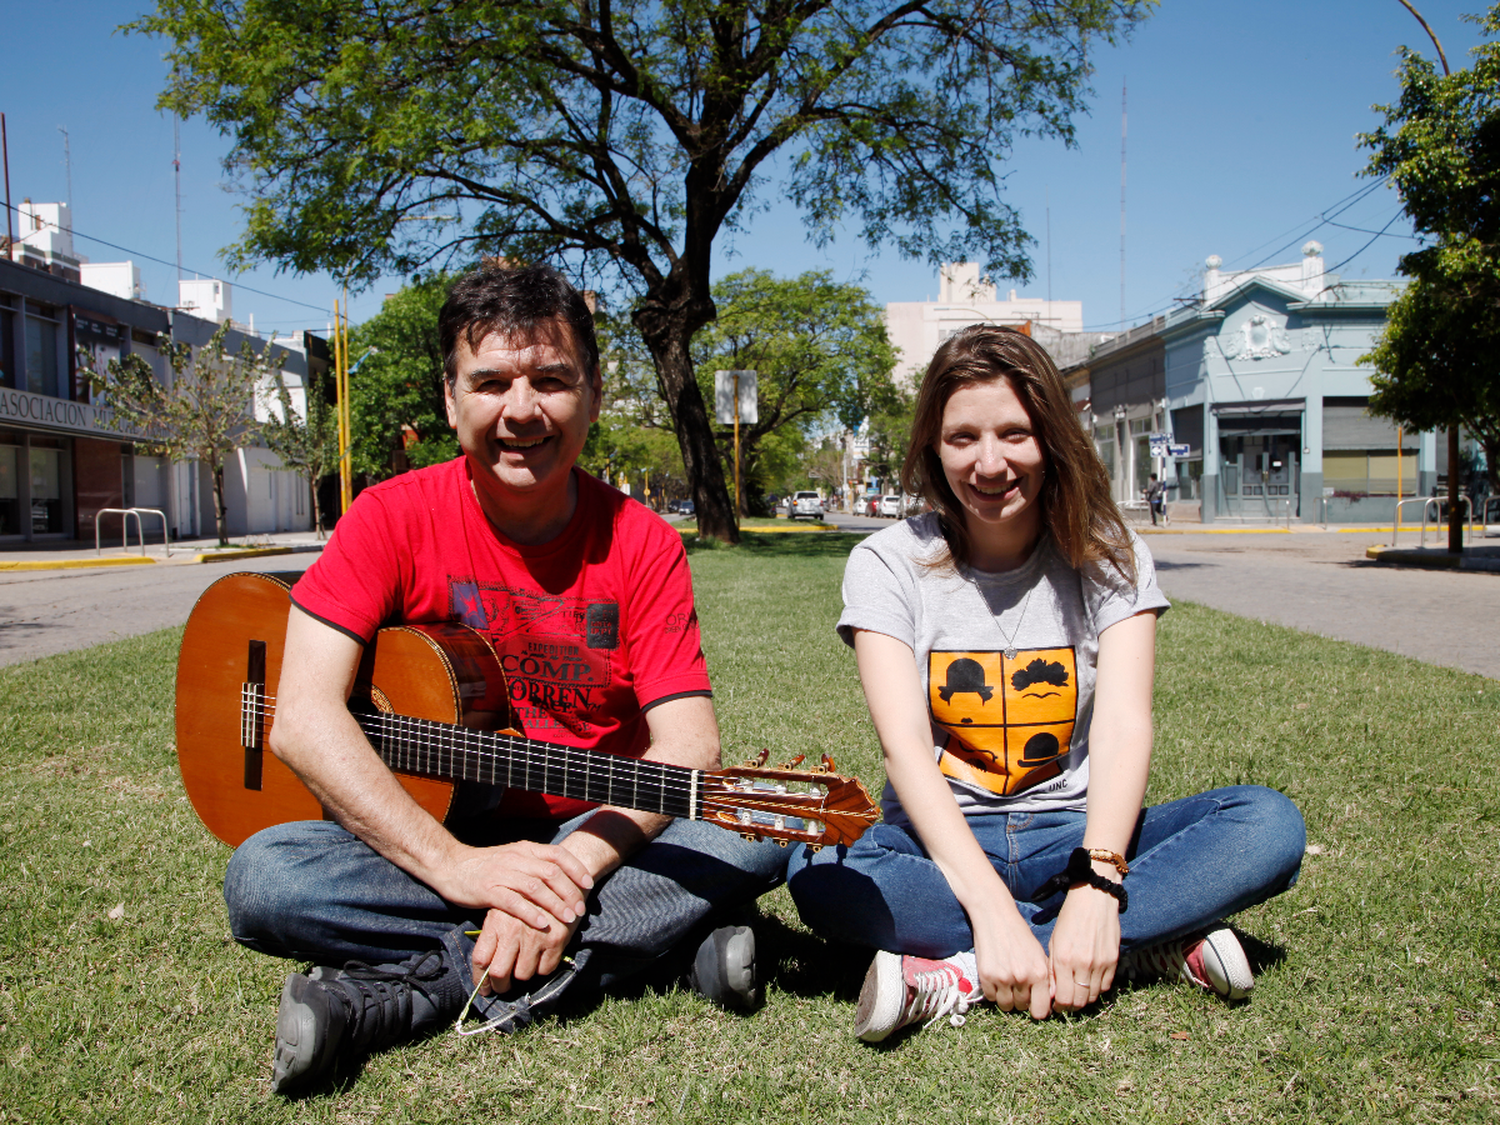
122 998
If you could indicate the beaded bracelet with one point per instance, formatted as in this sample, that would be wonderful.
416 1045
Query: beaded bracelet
1079 870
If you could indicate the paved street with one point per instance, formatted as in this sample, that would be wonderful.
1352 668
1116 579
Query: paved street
1321 582
48 611
1312 580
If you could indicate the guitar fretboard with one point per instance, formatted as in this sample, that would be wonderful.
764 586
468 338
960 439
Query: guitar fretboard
423 746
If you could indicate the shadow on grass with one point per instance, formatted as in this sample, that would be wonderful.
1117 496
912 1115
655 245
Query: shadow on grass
786 544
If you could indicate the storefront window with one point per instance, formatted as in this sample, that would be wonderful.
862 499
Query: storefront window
10 490
46 491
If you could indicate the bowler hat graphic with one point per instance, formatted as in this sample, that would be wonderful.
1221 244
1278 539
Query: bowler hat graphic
1040 748
966 675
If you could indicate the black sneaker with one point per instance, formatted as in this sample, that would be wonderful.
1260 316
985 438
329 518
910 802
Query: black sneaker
333 1014
724 969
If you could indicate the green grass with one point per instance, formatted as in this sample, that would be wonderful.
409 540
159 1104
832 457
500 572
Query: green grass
1378 972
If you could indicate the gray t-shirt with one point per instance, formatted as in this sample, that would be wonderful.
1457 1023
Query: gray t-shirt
1010 733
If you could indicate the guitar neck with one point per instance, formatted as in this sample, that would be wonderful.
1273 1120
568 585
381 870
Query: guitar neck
423 746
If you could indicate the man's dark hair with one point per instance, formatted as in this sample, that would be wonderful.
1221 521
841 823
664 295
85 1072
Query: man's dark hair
514 302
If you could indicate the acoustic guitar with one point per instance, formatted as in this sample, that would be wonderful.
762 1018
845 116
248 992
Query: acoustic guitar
429 697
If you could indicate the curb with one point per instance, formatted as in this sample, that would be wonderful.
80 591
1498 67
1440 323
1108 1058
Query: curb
1431 560
257 553
75 564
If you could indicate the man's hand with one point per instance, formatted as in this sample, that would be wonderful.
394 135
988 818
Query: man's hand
534 897
508 950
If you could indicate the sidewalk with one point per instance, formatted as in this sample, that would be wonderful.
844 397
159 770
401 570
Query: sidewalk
71 555
1481 552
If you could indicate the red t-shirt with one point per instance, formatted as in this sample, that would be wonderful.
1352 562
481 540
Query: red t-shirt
591 629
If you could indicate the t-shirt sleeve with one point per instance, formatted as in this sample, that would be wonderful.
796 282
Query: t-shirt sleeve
878 596
1110 596
355 584
664 645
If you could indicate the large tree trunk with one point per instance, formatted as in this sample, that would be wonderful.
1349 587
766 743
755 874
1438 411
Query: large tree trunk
1455 514
666 329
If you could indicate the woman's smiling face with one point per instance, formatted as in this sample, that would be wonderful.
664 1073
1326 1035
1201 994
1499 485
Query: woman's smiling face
994 464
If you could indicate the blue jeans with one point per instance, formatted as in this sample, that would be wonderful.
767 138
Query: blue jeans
1192 862
312 891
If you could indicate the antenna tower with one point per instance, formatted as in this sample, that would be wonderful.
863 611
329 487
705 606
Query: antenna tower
1123 88
177 185
68 165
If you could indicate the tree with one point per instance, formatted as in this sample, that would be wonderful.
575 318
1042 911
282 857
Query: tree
396 395
204 412
1440 145
307 441
819 350
626 137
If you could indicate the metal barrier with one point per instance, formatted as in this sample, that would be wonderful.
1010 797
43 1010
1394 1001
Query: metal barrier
125 514
1431 504
1322 511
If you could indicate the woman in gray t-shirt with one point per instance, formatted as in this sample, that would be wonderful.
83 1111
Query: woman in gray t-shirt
1006 644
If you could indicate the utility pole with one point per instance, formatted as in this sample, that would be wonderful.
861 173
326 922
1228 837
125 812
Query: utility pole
1123 324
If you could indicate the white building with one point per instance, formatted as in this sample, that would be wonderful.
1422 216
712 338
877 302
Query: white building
964 298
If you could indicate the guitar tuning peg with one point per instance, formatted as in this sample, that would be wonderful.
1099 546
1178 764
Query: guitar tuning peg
814 849
794 763
781 843
759 760
749 836
827 764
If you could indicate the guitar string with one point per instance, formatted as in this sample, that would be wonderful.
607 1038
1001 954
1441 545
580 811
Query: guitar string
578 764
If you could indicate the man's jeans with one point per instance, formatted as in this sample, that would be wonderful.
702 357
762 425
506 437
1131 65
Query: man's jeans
1192 862
312 891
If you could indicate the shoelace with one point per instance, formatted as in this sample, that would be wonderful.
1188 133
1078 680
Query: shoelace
938 994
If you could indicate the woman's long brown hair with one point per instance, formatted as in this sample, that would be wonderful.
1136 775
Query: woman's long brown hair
1076 505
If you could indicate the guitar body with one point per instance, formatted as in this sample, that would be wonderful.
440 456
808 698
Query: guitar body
433 701
235 637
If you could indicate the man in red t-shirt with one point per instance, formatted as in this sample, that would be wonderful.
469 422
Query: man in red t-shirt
587 600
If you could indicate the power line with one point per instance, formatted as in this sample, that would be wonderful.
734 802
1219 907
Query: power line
1324 218
150 258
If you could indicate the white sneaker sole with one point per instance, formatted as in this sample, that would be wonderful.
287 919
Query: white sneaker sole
880 998
1226 965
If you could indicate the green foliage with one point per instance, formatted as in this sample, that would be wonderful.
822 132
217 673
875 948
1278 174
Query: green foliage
1440 145
1376 997
205 411
821 357
625 138
396 395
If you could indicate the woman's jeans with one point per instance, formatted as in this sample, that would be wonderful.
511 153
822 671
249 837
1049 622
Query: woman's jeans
312 891
1193 862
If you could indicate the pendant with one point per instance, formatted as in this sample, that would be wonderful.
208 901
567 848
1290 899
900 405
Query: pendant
1012 653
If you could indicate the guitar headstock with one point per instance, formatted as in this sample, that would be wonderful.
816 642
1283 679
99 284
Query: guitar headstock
789 805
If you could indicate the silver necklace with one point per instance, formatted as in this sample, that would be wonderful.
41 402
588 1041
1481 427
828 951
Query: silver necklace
1011 651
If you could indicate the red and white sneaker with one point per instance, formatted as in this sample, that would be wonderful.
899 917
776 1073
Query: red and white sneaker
899 990
1211 960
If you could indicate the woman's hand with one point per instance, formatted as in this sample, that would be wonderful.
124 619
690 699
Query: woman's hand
1085 947
1013 969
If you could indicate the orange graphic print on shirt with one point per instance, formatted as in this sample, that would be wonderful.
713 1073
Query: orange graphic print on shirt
1011 721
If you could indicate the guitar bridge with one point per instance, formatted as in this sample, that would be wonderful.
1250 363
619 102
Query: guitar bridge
253 714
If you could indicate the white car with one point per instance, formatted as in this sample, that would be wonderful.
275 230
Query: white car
889 507
806 504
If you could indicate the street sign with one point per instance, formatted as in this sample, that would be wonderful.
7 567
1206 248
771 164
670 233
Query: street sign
1159 445
1179 450
724 382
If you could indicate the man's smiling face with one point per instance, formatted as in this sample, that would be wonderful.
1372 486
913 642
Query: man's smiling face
522 406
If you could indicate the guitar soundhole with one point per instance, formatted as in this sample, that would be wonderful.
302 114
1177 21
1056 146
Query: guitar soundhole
253 714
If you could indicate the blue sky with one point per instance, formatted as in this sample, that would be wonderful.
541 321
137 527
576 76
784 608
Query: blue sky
1242 118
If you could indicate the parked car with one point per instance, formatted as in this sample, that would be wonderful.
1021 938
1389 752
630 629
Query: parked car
687 508
871 506
890 507
806 504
